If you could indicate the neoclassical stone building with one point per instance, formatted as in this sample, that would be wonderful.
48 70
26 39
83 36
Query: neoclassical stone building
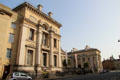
34 41
39 39
88 56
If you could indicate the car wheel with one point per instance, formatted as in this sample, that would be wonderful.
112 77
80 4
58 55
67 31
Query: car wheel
29 79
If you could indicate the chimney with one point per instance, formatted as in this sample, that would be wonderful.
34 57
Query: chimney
50 14
87 47
40 7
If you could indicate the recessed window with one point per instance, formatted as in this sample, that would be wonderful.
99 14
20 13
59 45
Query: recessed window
11 38
45 38
45 27
30 57
9 53
55 60
83 59
31 35
55 43
44 59
13 25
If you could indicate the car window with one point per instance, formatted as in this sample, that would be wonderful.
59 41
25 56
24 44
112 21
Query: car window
22 74
16 74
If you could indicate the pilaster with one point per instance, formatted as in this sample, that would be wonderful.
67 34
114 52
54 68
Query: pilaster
21 49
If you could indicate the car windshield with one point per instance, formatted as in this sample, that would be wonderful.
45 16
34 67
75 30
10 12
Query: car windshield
23 74
16 74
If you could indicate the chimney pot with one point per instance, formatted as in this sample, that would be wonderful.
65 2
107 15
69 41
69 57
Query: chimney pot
40 7
50 14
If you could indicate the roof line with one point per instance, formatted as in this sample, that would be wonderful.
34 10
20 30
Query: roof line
39 12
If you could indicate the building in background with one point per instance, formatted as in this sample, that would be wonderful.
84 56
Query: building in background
111 64
30 39
8 38
64 58
87 58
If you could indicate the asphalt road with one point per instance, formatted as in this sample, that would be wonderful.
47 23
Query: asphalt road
104 76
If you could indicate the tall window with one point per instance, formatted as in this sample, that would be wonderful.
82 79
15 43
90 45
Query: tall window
55 60
45 27
30 57
44 59
55 43
9 53
11 38
13 25
83 59
31 35
44 39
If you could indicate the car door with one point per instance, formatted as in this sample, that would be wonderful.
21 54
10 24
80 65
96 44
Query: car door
23 76
16 75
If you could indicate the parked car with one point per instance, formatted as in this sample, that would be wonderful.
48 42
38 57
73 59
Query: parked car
20 76
104 71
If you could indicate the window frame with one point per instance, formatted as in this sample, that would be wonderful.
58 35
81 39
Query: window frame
9 53
12 25
29 53
31 34
55 43
11 37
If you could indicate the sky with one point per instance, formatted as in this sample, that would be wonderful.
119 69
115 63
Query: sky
84 22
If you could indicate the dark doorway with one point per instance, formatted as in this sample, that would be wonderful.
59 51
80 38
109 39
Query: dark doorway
6 71
79 66
55 60
45 59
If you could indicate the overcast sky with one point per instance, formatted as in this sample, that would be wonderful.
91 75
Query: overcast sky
85 22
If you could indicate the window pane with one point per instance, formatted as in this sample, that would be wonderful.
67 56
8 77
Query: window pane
45 37
31 35
11 38
44 59
30 57
55 60
55 43
13 25
9 52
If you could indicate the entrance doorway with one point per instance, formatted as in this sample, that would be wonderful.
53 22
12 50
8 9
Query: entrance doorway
44 59
6 71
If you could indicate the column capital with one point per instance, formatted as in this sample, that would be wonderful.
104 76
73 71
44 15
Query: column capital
51 30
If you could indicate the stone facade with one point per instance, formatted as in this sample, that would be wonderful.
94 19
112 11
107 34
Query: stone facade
36 39
88 56
111 64
8 18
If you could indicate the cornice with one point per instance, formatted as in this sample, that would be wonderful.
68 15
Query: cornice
26 4
81 51
28 20
2 11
